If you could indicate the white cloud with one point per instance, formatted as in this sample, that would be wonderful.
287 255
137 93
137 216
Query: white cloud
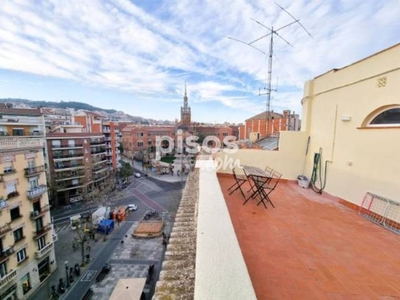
151 52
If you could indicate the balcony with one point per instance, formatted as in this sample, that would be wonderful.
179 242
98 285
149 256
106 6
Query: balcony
46 249
8 172
69 176
10 143
4 229
66 167
100 168
42 231
97 152
66 156
109 153
6 253
95 143
29 172
100 177
106 129
65 187
108 145
13 195
71 146
39 213
3 203
37 191
11 277
107 139
317 238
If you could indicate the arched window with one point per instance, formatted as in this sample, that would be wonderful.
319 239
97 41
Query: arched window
388 117
385 116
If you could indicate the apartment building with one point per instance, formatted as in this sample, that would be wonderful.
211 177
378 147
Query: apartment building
112 140
140 141
268 123
95 123
26 237
77 163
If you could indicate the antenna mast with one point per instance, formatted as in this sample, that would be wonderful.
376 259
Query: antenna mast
271 30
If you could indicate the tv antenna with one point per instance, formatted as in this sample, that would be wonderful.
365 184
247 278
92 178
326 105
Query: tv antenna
271 33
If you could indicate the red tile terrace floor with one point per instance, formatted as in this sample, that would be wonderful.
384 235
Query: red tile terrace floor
311 247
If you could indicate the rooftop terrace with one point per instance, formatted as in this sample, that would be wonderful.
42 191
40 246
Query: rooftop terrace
312 247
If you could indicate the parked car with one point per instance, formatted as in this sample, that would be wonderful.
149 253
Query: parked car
137 175
132 207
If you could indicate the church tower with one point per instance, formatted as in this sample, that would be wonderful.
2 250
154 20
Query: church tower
185 112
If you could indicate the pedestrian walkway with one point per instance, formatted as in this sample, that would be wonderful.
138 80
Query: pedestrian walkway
164 177
132 259
66 256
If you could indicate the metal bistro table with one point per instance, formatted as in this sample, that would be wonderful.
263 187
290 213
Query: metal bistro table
257 179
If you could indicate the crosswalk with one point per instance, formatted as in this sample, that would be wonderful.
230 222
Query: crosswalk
59 228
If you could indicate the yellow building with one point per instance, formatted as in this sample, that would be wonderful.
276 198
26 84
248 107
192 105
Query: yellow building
351 116
26 236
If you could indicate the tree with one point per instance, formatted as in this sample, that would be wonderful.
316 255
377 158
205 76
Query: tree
84 228
126 171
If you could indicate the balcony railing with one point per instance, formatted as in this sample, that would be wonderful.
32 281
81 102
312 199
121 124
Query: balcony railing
40 253
61 187
96 142
66 166
69 176
41 231
13 195
67 146
36 191
9 172
8 278
38 213
11 143
33 171
6 253
4 229
107 139
98 151
68 155
100 168
3 203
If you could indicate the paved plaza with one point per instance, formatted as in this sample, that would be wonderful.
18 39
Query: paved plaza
131 259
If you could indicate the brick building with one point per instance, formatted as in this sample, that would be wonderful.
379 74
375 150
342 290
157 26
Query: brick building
77 163
268 123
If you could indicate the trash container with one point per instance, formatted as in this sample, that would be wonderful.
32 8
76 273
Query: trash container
303 181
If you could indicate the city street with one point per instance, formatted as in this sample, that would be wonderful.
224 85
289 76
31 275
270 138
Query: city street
147 193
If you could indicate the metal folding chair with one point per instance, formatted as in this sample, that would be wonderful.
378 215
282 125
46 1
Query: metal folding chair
239 181
268 188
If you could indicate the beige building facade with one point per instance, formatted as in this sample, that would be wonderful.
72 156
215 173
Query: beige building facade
26 234
351 116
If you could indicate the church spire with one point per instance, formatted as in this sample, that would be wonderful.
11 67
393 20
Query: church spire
185 100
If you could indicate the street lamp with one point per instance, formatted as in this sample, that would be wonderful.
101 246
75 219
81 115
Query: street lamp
66 272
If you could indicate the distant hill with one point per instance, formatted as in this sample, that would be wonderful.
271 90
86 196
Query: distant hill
62 104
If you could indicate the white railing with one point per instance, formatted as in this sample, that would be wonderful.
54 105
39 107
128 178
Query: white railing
40 253
37 191
21 120
19 143
11 276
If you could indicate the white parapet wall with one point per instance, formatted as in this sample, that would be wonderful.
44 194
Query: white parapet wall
221 271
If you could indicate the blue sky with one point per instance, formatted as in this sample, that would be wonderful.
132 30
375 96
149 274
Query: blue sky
135 56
